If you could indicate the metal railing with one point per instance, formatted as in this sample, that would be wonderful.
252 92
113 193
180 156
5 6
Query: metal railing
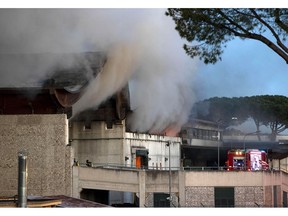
150 168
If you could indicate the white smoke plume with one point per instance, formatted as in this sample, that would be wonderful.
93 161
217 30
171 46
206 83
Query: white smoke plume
143 49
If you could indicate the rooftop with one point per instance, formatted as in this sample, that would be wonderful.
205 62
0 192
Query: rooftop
50 201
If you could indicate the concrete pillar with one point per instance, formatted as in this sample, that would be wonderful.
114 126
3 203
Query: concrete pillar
75 182
142 188
181 186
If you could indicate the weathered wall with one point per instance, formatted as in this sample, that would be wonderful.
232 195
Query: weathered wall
252 196
158 150
199 196
188 188
275 183
252 189
44 138
102 145
223 178
98 144
205 197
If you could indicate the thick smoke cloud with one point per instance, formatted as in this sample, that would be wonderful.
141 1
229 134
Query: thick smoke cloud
142 47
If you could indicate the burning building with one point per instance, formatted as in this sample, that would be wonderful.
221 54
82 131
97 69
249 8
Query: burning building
39 119
95 109
93 154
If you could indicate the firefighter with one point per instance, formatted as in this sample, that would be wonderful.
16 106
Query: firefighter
88 163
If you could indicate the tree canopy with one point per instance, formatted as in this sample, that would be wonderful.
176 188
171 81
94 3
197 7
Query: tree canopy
209 30
267 110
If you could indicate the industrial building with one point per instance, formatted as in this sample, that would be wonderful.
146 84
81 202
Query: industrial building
95 156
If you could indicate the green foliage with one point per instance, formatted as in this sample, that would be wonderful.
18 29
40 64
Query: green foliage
268 110
209 30
222 110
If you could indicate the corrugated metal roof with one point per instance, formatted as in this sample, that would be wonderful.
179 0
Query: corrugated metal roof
61 201
68 202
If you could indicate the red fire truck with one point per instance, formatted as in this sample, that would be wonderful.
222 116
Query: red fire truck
250 160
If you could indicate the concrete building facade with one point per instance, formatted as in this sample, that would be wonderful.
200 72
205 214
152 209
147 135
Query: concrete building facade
189 188
143 169
52 144
114 146
44 139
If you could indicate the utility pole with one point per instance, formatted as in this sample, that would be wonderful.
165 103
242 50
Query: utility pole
218 143
22 180
218 148
170 195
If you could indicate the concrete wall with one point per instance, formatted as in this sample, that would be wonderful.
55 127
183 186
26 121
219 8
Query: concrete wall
248 187
142 182
223 178
113 147
245 196
188 188
44 138
251 189
158 150
98 143
101 145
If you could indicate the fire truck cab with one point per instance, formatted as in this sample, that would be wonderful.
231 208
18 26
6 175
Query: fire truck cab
250 160
236 159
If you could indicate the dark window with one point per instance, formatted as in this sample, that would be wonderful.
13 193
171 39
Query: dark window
203 134
87 125
285 199
224 196
161 200
109 124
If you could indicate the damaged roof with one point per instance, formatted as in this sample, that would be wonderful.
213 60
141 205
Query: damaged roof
57 70
61 85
